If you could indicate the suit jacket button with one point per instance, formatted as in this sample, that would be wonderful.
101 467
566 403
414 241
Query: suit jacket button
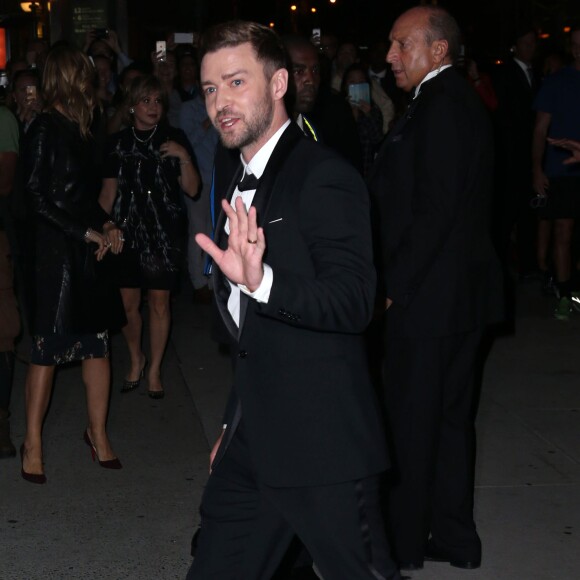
242 354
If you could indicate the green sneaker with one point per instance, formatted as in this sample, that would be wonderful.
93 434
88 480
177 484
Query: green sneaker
564 308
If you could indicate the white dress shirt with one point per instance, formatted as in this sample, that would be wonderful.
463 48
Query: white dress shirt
429 76
526 68
256 166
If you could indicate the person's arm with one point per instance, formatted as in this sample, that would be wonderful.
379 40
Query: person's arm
570 145
113 233
334 221
189 177
539 180
108 193
38 167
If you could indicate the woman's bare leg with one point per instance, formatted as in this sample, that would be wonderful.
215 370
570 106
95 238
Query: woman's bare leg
38 388
97 379
132 331
159 323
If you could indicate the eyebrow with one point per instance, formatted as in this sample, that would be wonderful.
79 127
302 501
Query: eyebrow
227 76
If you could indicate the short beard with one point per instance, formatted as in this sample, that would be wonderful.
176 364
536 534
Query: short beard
256 125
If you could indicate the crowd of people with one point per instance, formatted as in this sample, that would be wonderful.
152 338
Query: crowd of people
246 161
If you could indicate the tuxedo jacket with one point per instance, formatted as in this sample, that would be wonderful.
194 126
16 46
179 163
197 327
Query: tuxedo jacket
301 383
432 183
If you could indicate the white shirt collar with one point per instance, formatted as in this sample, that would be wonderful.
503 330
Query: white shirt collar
526 68
258 163
429 76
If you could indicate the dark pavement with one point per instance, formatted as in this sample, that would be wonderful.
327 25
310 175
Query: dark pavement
93 523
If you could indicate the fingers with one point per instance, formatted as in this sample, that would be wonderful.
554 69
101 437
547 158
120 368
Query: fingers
208 246
252 230
115 240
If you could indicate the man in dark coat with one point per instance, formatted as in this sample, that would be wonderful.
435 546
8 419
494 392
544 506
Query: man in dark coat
432 181
293 279
516 84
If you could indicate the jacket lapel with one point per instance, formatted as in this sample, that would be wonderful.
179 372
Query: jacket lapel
266 188
220 282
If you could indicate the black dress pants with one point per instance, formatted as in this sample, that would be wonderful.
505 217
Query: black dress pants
430 398
247 527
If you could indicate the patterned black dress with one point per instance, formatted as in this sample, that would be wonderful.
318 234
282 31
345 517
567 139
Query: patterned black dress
148 207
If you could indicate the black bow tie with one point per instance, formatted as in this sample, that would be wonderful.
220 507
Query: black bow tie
249 181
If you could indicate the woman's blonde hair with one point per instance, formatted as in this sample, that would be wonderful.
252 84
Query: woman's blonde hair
68 85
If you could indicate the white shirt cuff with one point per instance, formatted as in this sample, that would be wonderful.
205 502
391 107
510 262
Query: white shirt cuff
262 292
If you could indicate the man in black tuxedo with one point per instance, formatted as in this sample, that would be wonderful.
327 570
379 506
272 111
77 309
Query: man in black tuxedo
432 182
302 448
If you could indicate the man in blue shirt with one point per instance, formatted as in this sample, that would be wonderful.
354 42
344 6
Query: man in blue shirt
557 116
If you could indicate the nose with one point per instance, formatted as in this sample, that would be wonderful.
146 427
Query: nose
221 101
392 54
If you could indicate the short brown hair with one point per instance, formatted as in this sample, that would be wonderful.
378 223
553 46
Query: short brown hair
142 87
265 42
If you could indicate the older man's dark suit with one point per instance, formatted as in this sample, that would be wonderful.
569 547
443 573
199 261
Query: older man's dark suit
432 183
302 398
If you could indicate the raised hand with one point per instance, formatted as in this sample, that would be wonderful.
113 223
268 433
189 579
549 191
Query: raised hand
241 262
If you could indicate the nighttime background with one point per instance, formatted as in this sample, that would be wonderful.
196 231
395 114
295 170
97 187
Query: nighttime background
489 25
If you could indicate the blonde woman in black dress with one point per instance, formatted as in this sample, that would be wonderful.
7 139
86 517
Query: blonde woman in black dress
71 306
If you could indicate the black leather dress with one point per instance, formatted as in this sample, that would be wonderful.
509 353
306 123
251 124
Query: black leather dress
71 303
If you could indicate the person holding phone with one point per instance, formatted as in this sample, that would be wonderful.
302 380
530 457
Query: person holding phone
367 115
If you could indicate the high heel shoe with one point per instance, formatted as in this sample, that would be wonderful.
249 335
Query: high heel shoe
109 463
129 386
31 477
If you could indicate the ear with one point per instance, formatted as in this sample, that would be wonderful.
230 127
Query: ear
279 84
439 50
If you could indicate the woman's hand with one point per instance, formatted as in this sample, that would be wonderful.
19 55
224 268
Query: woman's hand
103 245
174 149
114 237
189 180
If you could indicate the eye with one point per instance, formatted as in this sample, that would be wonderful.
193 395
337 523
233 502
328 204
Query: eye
158 101
209 91
237 82
145 100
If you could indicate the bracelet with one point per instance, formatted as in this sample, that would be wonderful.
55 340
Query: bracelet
185 162
87 234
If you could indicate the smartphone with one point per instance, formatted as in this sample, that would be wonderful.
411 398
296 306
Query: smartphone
183 38
359 92
31 93
161 50
315 36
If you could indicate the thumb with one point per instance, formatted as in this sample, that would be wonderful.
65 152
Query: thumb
208 246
